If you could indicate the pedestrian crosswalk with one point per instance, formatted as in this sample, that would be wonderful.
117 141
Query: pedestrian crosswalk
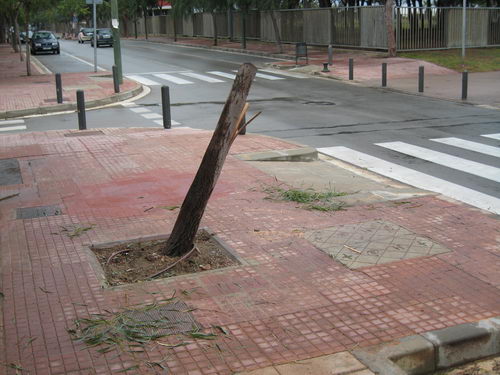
147 113
10 125
429 182
190 78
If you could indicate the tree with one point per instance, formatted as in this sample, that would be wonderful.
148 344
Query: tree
181 240
389 23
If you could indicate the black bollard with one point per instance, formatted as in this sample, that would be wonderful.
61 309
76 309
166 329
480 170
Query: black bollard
165 107
465 84
384 74
420 79
59 88
116 81
330 55
80 105
325 68
351 69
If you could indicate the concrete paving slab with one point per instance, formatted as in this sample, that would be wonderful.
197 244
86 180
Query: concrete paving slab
336 364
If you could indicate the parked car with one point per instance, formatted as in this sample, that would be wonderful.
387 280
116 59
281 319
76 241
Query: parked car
85 35
44 41
22 36
104 38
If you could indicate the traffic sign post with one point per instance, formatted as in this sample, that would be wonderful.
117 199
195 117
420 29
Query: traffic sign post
94 36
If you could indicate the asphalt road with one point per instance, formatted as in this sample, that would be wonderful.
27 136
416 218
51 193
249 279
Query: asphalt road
309 110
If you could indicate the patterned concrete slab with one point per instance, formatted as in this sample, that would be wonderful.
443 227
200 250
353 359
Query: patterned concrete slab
372 242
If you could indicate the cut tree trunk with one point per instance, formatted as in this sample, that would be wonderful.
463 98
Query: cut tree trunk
230 123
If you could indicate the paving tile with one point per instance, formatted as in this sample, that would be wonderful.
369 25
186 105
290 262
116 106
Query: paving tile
339 363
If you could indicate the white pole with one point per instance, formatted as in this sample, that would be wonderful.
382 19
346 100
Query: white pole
95 36
464 26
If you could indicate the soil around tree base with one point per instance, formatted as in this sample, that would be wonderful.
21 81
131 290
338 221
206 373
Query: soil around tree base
135 261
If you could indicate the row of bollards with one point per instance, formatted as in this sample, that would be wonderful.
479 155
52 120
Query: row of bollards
421 85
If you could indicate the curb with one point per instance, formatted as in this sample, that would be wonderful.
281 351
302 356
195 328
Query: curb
71 106
434 350
296 154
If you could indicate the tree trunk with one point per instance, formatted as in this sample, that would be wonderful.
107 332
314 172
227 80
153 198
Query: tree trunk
244 29
389 23
214 21
16 43
276 32
182 238
28 44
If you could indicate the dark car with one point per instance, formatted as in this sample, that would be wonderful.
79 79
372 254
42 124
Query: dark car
44 41
22 36
104 38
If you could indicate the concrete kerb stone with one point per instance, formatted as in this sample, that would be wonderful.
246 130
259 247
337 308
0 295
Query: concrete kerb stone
434 350
71 106
298 154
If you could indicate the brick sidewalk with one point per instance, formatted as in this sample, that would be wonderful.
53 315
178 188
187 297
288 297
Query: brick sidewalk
18 91
289 301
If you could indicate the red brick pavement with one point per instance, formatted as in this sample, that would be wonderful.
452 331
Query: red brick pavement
18 91
289 301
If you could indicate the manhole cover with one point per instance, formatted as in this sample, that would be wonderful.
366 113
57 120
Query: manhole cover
10 174
84 133
165 320
319 103
371 243
41 211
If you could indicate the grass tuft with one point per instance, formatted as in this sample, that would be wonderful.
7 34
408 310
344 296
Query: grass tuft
308 198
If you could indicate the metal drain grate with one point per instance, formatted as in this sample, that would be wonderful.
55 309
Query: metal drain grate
10 173
165 320
41 211
84 133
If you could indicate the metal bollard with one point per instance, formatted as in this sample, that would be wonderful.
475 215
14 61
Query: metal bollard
116 80
330 55
325 68
59 88
165 107
420 79
351 69
465 77
80 105
384 74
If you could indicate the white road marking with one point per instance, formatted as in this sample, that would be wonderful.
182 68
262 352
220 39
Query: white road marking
160 122
128 104
83 61
222 74
174 79
468 145
202 77
414 178
267 76
11 122
151 116
286 74
139 110
10 128
492 136
464 165
143 80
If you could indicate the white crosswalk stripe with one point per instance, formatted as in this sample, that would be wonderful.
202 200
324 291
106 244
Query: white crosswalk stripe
202 77
173 79
492 136
265 76
139 110
151 116
144 80
6 125
160 122
469 145
414 178
446 160
222 74
286 74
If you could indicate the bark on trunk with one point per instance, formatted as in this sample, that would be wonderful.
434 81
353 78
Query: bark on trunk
16 42
182 238
146 23
276 32
389 23
28 44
